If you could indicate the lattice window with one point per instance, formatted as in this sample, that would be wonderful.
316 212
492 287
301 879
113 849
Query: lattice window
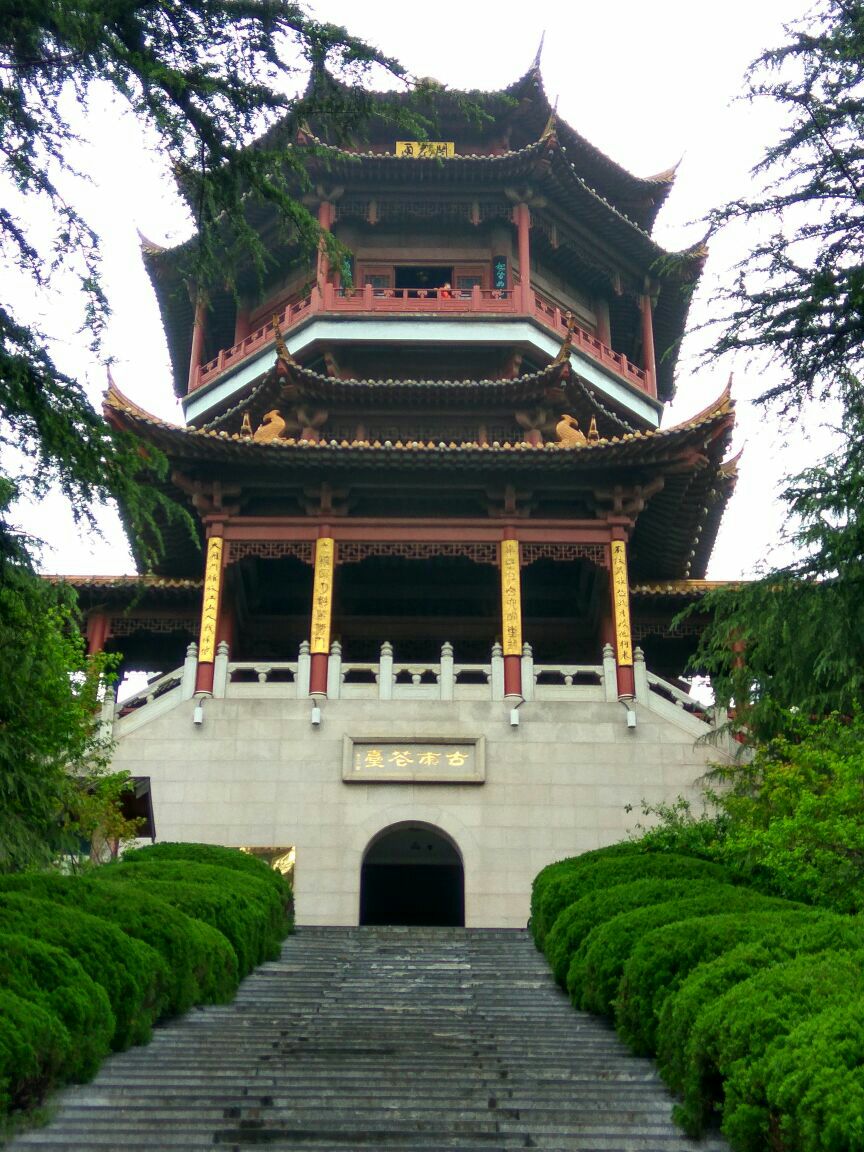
663 628
270 550
594 553
351 552
127 625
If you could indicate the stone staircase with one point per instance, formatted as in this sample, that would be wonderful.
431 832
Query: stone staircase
378 1038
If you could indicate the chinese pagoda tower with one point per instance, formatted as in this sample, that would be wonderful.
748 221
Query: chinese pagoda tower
423 632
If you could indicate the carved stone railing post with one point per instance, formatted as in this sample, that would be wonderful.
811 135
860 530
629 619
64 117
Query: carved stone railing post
447 679
640 676
190 671
220 670
334 671
610 672
527 671
304 661
385 672
497 671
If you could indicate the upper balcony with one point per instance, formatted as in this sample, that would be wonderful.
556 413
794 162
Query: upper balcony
474 303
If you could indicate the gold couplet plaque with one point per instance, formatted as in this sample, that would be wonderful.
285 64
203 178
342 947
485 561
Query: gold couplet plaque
322 594
511 598
424 149
210 606
621 603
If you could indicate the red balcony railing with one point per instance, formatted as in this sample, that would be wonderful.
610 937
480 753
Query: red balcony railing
381 301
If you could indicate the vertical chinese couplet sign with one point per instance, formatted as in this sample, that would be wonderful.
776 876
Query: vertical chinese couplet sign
322 595
621 603
210 607
511 598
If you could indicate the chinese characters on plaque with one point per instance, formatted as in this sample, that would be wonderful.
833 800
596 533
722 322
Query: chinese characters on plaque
210 604
621 603
412 761
425 149
511 598
322 595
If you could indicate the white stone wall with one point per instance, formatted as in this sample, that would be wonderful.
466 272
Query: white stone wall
256 772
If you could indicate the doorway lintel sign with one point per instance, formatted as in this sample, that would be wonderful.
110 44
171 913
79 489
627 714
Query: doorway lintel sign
437 760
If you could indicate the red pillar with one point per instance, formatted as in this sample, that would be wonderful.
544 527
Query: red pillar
523 224
211 601
98 631
325 222
322 610
648 357
511 617
620 589
199 328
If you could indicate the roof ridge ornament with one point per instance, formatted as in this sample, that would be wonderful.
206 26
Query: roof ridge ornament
535 66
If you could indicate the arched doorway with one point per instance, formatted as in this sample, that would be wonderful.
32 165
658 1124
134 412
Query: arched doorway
412 874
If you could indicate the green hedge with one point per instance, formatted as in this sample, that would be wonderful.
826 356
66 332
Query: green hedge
730 1036
246 910
596 970
134 975
814 1083
663 959
216 855
552 872
201 962
573 925
55 983
573 880
35 1049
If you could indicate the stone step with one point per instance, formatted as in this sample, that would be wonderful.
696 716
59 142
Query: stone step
405 1040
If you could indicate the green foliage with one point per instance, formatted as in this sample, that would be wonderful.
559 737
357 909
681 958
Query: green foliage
663 959
48 977
731 1034
246 910
573 925
34 1048
814 1082
132 973
572 880
596 968
214 854
552 872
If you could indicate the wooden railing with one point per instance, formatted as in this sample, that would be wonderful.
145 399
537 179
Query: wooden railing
419 301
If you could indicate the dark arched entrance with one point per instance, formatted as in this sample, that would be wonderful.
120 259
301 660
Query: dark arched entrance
412 874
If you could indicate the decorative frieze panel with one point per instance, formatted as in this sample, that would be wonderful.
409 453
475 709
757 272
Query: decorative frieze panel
352 552
663 628
270 550
595 553
127 625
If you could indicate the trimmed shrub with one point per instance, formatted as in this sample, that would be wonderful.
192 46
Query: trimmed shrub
247 911
731 1034
201 963
35 1047
570 930
54 982
595 970
584 860
814 1083
217 855
666 956
570 884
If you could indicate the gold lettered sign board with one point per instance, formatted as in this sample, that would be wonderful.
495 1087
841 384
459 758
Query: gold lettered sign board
322 595
210 605
425 149
511 598
437 760
621 603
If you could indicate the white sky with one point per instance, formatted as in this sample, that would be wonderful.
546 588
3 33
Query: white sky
648 83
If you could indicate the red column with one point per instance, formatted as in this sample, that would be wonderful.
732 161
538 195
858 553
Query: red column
511 617
322 610
523 224
199 328
210 610
620 590
648 358
325 222
98 631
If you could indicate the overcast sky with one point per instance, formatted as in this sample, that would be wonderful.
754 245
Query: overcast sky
651 84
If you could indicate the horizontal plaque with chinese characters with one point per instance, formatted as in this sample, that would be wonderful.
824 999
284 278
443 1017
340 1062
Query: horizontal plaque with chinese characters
425 149
432 761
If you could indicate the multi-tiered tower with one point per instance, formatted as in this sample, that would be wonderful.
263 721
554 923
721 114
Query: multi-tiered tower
441 535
